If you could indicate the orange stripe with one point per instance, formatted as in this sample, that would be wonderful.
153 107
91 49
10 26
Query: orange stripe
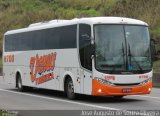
107 90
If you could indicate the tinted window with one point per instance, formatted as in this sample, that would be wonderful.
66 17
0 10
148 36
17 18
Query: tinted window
52 38
85 46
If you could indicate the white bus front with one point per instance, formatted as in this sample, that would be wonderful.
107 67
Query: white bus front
122 60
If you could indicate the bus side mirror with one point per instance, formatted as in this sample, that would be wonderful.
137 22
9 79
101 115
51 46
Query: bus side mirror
92 56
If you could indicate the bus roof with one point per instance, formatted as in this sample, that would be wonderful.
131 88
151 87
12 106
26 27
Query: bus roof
89 20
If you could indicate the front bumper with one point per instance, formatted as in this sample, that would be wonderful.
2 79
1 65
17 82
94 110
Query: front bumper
100 89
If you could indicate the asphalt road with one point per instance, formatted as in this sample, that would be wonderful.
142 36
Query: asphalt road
52 102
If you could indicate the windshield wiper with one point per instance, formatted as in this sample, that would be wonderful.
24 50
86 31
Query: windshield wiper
123 51
132 57
123 55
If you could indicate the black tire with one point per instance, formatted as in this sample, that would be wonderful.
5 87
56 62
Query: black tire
70 89
19 83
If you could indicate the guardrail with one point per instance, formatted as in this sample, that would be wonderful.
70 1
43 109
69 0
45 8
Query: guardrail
156 79
1 69
156 74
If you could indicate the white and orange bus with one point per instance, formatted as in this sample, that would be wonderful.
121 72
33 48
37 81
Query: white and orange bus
99 56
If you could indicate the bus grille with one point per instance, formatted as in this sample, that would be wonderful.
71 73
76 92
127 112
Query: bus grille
126 84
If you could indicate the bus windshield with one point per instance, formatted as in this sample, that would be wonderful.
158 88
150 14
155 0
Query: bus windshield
122 48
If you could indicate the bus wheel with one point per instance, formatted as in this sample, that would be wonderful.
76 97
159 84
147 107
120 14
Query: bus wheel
19 83
70 89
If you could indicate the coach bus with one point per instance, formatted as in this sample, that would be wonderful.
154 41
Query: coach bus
99 56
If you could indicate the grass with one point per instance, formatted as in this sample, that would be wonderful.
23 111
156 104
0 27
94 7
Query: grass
1 62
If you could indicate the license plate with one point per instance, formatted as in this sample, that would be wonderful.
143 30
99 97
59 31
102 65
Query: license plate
126 90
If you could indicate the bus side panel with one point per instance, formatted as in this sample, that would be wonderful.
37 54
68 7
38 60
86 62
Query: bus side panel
8 75
66 63
54 83
8 68
87 83
67 60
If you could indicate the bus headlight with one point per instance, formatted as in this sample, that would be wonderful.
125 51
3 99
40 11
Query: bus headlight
103 81
145 81
149 89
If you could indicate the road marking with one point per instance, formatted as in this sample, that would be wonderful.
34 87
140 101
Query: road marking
147 96
60 100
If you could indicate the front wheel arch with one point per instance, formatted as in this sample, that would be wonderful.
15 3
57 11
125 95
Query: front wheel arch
69 89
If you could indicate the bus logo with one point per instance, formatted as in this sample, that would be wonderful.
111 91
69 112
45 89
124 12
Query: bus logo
9 58
41 68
